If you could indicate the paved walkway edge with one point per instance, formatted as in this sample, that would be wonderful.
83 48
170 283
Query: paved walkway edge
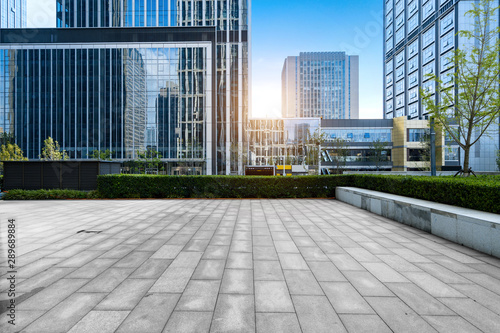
475 229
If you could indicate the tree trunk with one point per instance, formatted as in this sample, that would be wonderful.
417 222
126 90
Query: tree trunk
466 161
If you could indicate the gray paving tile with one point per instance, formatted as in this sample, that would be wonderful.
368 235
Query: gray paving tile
420 301
49 297
216 252
267 270
286 247
302 283
325 271
345 299
43 279
272 296
331 247
481 295
127 295
234 313
474 313
66 314
200 295
133 259
196 245
277 323
313 254
187 259
209 269
363 323
92 269
237 281
107 281
485 281
451 324
151 269
189 322
362 255
239 260
150 315
264 253
366 284
431 285
316 315
167 252
398 316
100 321
241 246
173 280
292 261
355 255
23 319
80 259
345 262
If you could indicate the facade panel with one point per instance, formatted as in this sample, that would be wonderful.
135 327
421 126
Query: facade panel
12 14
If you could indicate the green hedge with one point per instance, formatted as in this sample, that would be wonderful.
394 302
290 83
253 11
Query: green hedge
48 195
482 193
141 186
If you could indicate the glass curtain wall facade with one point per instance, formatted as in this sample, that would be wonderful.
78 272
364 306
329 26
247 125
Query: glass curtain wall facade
419 38
12 14
125 98
321 84
231 19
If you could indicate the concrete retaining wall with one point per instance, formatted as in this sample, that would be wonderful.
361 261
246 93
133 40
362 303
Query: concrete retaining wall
475 229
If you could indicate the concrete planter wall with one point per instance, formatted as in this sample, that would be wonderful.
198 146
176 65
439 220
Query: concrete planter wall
475 229
71 175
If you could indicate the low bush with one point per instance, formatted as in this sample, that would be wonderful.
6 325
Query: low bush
481 193
141 186
48 195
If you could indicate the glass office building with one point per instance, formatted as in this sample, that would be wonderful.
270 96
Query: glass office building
419 38
321 84
12 14
132 75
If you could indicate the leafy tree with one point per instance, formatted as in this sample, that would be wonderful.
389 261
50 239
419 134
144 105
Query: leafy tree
11 152
314 141
105 155
339 152
498 159
378 148
150 159
476 78
52 151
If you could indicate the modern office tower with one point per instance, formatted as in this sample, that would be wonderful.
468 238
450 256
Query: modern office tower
130 75
13 14
321 84
419 37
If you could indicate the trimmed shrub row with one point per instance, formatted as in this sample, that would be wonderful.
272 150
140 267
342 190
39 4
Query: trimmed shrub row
482 193
142 186
48 195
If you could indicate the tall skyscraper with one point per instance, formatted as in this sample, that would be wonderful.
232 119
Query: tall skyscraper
13 14
321 84
130 75
419 38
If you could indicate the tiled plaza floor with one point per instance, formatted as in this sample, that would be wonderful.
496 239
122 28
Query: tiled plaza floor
239 266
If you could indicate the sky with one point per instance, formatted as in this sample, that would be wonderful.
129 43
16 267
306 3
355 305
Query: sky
282 28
